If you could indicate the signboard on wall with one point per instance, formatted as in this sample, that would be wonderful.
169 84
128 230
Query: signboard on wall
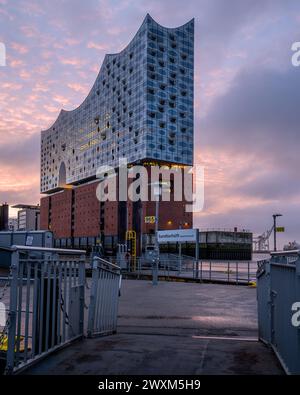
177 236
29 241
150 219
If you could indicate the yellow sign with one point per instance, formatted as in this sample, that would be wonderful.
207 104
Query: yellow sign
280 229
150 219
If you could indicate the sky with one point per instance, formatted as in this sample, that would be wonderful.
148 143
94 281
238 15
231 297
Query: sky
247 95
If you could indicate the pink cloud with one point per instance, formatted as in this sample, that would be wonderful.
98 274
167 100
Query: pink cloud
11 86
29 31
19 48
15 63
99 46
72 41
76 62
79 88
24 75
62 100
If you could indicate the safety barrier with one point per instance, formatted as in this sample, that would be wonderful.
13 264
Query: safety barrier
46 303
105 288
170 266
278 290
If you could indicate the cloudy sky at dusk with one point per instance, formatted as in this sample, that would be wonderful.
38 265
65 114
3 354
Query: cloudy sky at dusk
247 94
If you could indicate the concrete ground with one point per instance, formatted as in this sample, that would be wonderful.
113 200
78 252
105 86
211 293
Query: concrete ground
174 328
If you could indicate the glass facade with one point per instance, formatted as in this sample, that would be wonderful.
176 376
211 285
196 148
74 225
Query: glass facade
140 107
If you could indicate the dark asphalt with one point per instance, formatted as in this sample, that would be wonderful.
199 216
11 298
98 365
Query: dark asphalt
174 328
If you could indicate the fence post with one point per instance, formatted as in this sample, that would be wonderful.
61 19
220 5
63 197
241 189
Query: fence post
248 269
93 295
82 293
197 253
228 272
155 271
12 313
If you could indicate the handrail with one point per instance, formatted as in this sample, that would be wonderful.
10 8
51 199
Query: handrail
107 262
284 253
46 249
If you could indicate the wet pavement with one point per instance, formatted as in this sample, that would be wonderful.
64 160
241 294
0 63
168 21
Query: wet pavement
173 328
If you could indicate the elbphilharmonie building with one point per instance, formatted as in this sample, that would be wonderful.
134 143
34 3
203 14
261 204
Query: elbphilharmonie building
141 108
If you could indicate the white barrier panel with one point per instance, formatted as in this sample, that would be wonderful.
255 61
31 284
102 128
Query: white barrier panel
179 235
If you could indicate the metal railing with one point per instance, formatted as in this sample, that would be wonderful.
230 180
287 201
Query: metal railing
105 288
46 303
171 266
278 288
45 298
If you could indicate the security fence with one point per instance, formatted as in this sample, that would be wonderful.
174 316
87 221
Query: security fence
47 303
278 289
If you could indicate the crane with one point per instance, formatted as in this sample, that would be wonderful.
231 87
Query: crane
262 242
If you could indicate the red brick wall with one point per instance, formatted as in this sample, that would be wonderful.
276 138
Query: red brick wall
87 211
61 204
87 214
168 211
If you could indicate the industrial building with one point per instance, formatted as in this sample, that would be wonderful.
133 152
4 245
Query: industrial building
28 217
217 244
12 224
141 107
4 209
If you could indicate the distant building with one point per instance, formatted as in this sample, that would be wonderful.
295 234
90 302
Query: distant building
12 224
217 244
4 216
28 217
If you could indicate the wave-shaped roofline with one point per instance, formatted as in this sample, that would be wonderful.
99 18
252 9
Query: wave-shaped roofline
148 16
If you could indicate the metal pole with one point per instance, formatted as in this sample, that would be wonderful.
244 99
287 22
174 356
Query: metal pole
275 229
156 258
180 254
10 361
156 221
197 253
81 266
93 298
275 244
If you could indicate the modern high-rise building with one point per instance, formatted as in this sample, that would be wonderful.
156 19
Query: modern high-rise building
141 108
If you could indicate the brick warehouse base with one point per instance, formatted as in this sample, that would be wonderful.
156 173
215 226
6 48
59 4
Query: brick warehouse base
78 219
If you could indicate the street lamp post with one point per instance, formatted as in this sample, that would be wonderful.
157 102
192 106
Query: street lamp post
180 251
157 193
275 216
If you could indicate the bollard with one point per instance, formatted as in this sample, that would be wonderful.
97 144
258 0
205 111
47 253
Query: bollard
155 272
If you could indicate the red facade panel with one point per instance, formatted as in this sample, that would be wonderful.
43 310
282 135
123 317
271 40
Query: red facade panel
86 211
78 213
61 214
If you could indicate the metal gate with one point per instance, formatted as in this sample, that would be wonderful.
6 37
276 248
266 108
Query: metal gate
105 288
278 288
47 300
46 304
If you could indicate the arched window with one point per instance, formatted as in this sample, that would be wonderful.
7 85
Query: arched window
62 177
